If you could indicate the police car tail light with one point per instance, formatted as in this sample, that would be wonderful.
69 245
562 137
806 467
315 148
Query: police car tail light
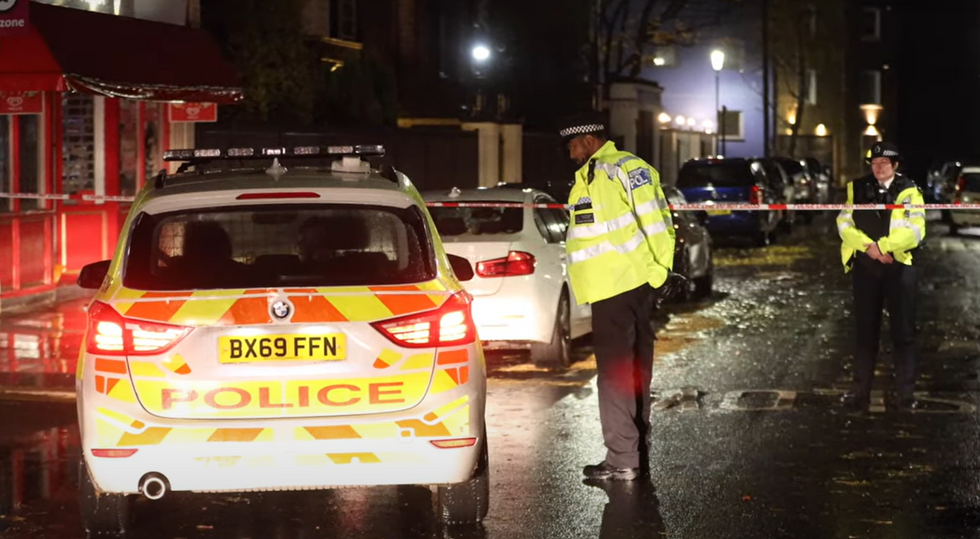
110 333
960 185
516 263
451 324
755 197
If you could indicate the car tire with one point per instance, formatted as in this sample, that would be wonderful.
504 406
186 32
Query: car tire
556 354
102 513
703 286
468 502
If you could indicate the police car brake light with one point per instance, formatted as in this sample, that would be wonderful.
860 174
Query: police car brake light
277 195
111 334
451 324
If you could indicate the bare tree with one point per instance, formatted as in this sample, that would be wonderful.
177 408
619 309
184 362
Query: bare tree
796 51
625 33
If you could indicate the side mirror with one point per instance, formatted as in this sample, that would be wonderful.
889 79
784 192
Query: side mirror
461 267
93 274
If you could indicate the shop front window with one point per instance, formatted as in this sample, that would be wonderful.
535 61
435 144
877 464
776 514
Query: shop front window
128 147
152 139
6 163
78 161
29 159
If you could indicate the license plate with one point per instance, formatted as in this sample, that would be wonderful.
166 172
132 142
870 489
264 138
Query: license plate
719 212
328 347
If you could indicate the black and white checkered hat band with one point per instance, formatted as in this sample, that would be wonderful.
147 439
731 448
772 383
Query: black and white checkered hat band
581 130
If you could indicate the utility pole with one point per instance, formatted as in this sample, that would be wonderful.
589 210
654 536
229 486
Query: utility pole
767 124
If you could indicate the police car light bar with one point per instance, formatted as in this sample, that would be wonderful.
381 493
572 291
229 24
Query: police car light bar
370 150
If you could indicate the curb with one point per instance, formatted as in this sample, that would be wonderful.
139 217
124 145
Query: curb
35 395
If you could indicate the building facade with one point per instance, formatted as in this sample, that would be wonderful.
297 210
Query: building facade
83 125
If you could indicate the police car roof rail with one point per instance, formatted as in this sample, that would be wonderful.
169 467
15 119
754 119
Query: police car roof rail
194 157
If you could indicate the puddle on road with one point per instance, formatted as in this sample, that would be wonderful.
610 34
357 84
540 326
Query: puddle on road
35 469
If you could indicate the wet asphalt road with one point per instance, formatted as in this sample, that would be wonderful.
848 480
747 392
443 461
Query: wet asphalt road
748 441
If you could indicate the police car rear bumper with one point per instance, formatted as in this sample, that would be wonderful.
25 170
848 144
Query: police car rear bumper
275 467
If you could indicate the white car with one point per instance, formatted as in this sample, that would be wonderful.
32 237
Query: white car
967 191
521 294
269 329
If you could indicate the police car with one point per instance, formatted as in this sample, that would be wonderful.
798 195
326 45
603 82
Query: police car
280 328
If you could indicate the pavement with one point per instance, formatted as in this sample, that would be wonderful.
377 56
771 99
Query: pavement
748 440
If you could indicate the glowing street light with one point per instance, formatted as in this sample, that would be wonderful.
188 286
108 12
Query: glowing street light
718 63
481 53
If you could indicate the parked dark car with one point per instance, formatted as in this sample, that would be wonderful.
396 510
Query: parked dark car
822 179
693 250
784 191
731 181
806 185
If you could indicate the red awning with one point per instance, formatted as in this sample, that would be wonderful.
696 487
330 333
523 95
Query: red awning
71 49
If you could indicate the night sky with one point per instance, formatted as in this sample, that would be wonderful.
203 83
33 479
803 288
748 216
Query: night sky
939 94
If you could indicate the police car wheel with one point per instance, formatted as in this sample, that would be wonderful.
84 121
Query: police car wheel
467 503
556 354
102 513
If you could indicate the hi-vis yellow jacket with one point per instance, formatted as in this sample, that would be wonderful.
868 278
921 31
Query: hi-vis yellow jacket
621 234
906 228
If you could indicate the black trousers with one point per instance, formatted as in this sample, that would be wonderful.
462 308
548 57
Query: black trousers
623 339
877 285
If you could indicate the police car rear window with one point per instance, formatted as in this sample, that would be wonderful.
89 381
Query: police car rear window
715 174
279 246
971 182
477 221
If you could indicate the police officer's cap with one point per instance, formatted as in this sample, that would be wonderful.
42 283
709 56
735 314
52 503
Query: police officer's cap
590 123
883 149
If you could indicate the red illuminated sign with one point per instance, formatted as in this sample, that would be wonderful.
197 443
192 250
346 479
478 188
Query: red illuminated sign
193 112
21 102
14 15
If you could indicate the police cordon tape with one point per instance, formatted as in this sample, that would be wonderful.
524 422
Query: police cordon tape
675 207
727 206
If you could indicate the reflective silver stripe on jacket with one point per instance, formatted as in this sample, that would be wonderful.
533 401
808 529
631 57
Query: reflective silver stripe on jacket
586 253
916 229
597 229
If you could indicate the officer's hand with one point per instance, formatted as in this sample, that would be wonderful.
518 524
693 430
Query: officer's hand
875 253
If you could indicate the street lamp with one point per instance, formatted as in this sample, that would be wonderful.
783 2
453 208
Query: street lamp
718 63
481 53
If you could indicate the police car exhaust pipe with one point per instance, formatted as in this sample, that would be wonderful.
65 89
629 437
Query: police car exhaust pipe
153 486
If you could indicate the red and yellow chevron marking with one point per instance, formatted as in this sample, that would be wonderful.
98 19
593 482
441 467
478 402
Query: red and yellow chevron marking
116 429
451 371
177 365
249 307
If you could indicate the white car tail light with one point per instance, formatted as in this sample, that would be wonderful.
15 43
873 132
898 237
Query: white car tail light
515 264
